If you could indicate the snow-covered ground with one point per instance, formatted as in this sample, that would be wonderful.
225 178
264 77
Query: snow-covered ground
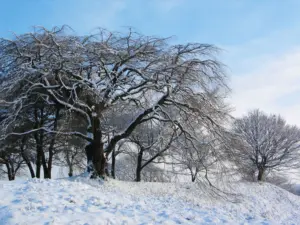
82 201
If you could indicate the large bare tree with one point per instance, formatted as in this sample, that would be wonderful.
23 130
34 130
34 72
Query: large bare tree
88 76
265 142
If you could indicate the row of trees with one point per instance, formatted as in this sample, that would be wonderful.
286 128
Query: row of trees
58 89
133 102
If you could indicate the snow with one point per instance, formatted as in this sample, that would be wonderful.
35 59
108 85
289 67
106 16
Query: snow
82 201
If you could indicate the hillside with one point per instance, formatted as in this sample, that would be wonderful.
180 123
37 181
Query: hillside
81 201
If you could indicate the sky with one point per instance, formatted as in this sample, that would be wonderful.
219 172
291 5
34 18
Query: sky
260 39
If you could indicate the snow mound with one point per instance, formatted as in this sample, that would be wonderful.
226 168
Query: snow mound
83 201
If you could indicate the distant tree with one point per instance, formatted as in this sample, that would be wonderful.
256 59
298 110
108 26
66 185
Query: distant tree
152 142
71 154
265 143
194 156
11 160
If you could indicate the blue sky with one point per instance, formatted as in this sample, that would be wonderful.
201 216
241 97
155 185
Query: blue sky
260 38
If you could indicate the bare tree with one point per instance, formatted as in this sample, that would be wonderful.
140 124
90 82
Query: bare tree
72 157
194 156
89 76
152 140
117 150
265 142
11 157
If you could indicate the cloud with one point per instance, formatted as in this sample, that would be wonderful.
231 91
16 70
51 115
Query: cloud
273 87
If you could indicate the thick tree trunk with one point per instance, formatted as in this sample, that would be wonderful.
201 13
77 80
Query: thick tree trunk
99 160
260 174
139 165
11 177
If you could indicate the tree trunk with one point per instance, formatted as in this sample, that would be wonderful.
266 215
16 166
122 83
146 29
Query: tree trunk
10 171
260 174
52 143
30 169
41 161
38 164
139 165
70 163
70 174
39 138
89 157
25 158
29 165
105 166
49 168
113 164
47 175
193 175
99 160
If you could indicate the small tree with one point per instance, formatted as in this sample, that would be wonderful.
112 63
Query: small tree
152 141
11 160
194 156
265 142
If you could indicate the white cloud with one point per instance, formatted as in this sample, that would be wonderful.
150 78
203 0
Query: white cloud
277 79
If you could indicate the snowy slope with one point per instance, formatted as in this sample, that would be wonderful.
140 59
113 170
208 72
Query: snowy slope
82 201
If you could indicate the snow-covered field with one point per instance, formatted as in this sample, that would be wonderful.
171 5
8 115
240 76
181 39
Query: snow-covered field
82 201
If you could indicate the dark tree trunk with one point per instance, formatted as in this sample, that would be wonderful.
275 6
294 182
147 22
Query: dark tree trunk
49 168
70 174
38 164
11 177
30 169
113 164
260 174
89 156
41 161
29 165
52 143
25 158
45 168
10 171
70 163
106 166
99 160
194 175
39 139
139 165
